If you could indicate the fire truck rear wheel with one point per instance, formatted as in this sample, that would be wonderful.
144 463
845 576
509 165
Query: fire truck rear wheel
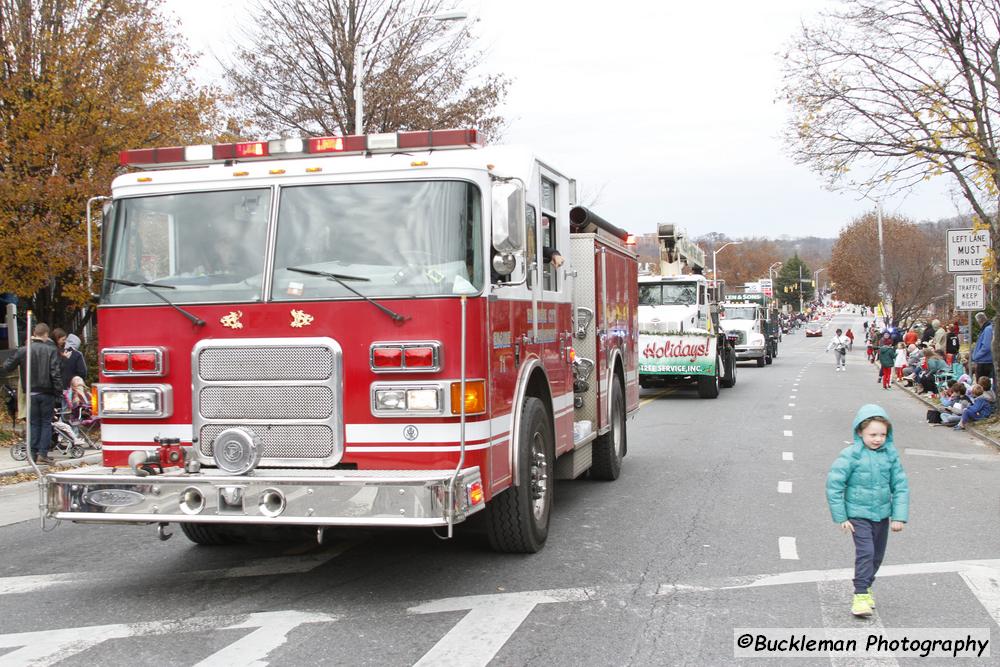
209 535
610 447
518 518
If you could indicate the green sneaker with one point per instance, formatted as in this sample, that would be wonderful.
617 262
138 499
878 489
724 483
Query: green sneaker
861 605
871 598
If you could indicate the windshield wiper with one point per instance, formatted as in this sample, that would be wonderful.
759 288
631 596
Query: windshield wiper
339 278
197 321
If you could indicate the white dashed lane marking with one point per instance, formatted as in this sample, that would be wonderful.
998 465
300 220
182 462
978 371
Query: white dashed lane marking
788 417
791 405
788 434
784 487
786 548
787 456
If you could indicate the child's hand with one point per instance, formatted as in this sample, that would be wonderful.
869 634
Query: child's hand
847 526
896 526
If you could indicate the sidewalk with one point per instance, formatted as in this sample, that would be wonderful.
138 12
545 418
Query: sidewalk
971 429
9 467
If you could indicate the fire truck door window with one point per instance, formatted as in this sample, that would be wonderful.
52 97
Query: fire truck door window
549 272
207 246
421 238
531 245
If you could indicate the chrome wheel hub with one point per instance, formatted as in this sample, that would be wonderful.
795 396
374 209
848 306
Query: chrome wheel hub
539 476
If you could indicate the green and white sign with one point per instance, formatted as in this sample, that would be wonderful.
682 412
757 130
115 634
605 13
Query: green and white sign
677 354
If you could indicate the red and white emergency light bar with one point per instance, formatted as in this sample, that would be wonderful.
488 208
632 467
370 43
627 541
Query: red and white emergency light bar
298 147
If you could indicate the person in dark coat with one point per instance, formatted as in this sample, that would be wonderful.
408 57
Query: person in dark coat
71 361
46 386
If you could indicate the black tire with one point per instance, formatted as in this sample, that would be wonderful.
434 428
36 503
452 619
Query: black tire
760 362
730 380
774 350
209 535
610 448
19 451
708 385
518 517
76 452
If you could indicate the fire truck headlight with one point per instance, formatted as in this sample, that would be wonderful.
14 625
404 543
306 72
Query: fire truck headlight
422 399
390 399
143 401
114 401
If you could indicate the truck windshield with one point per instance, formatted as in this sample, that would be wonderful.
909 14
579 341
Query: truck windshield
740 313
673 294
209 246
403 239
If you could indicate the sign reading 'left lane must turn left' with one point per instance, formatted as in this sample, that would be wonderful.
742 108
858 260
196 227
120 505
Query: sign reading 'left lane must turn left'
967 249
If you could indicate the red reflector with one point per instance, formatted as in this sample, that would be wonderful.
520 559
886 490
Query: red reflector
454 137
419 357
115 362
387 357
348 144
144 362
415 139
252 149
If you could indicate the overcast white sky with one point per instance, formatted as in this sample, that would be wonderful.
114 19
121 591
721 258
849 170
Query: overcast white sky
666 108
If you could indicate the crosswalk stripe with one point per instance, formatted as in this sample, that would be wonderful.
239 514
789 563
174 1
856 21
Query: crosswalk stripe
834 601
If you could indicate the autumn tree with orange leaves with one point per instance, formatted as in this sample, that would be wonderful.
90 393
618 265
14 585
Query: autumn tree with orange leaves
915 275
79 81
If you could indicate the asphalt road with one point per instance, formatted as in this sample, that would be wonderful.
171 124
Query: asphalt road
718 522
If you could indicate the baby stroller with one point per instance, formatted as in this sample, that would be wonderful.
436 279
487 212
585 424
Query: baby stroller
84 424
64 441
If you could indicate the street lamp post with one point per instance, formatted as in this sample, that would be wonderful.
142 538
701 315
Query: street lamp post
715 273
361 50
816 276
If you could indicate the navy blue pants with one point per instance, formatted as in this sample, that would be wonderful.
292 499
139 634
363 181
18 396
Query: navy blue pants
42 406
870 538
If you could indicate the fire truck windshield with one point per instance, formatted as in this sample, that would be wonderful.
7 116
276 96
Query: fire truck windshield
414 238
207 246
418 238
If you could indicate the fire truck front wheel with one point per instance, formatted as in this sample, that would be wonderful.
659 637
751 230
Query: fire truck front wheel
518 518
610 447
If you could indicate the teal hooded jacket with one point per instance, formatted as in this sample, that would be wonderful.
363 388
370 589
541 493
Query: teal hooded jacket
868 483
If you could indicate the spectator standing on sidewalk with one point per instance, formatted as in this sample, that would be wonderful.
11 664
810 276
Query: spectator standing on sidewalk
982 353
46 386
71 361
868 494
940 336
928 335
911 336
900 362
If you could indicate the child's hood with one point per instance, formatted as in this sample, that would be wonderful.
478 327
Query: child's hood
865 412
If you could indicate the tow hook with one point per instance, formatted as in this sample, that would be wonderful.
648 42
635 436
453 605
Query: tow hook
161 532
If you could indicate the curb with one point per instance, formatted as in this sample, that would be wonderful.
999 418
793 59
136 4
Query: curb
61 465
971 431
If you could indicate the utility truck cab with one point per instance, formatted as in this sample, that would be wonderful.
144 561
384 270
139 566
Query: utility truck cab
743 321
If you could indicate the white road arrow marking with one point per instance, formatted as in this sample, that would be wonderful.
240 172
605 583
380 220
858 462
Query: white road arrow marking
491 620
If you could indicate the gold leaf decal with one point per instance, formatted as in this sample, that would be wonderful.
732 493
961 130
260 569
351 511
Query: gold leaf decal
301 319
232 320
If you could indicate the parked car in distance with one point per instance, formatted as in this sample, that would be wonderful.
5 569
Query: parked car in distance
814 331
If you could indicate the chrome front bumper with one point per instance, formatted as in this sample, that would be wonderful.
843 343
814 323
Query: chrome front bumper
413 498
748 352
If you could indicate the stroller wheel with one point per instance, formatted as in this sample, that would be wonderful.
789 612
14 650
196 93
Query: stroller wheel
19 451
76 451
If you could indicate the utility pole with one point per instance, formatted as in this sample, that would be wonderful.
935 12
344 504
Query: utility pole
800 287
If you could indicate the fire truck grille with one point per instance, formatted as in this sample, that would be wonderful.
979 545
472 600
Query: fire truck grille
279 441
224 402
286 391
265 363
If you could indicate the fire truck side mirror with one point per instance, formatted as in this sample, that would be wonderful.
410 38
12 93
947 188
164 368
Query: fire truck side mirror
504 263
508 217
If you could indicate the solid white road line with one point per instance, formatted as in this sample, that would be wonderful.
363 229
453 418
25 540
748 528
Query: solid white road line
985 585
786 548
784 487
952 455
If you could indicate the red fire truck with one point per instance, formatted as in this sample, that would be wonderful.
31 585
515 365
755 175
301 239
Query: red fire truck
354 331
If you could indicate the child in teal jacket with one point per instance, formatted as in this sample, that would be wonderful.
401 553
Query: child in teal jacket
868 494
